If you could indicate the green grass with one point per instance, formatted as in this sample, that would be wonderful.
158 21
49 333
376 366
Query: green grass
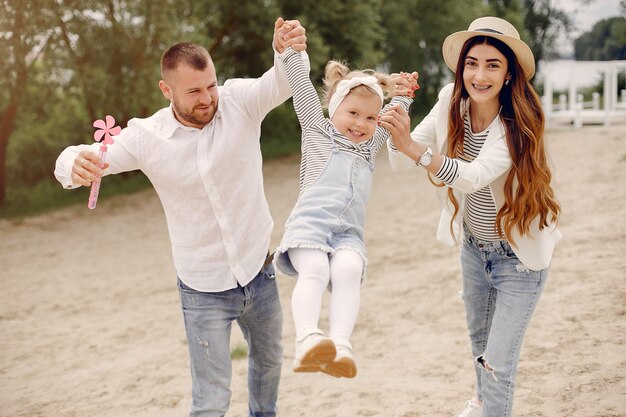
48 195
239 352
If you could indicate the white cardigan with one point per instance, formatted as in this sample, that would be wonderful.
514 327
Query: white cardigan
491 168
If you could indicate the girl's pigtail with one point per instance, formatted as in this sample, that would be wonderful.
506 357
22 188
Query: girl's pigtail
335 71
386 83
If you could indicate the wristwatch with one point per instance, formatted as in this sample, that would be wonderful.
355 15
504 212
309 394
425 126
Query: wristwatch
426 158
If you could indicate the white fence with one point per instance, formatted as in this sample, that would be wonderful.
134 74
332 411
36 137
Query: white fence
571 107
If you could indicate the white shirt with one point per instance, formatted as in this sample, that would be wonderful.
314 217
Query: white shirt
209 180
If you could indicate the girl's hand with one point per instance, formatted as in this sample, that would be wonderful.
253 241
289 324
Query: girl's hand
406 84
278 35
397 121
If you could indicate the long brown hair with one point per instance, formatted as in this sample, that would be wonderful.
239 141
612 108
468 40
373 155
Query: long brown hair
524 123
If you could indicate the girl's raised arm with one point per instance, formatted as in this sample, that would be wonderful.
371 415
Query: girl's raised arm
306 101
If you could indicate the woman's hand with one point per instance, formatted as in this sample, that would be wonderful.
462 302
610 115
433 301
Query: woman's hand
397 121
406 84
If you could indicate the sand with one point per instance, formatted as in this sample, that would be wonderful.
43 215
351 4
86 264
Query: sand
90 321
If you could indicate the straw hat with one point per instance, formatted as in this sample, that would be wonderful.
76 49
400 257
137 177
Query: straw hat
493 27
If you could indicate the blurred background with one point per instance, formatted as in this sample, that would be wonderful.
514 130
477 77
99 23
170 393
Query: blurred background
67 63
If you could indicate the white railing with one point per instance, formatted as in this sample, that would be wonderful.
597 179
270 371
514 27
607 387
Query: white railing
571 108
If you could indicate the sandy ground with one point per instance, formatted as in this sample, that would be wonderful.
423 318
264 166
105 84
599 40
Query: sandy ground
90 323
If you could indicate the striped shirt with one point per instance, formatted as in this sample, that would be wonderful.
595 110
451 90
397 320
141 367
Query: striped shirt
317 129
480 211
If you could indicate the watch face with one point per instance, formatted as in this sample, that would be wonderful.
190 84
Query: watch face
426 158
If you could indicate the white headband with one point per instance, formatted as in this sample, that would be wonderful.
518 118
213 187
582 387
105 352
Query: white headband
345 86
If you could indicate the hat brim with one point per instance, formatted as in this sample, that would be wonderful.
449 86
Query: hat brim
452 45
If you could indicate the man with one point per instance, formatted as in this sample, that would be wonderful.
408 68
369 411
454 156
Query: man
202 155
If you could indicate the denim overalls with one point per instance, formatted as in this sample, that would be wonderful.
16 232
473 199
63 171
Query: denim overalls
330 213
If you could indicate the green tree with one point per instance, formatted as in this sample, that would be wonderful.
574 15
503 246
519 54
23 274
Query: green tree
238 38
510 10
349 30
71 62
112 49
544 24
415 30
25 34
604 42
538 21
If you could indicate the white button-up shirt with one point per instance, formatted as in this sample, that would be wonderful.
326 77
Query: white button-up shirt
209 180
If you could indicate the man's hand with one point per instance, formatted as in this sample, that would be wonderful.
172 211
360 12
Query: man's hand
289 33
87 169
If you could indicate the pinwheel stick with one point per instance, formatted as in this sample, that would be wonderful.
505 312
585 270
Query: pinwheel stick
95 186
104 134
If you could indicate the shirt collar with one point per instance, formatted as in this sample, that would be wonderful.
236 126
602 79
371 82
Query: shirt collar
169 124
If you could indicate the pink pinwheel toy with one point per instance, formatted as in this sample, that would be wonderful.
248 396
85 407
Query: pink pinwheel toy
104 134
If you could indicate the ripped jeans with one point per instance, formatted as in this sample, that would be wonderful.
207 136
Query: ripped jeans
500 295
208 321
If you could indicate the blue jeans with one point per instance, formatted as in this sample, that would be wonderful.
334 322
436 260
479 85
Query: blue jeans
500 295
208 321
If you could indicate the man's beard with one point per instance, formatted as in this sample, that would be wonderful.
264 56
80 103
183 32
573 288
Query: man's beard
190 117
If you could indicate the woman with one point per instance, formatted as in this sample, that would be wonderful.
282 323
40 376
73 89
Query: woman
483 144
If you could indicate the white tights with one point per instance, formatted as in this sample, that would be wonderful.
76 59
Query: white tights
315 270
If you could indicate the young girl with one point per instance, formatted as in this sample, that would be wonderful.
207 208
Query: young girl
323 243
483 142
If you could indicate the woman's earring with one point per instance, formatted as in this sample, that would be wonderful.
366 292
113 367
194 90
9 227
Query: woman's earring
506 82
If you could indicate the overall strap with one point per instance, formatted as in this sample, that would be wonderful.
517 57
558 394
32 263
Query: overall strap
331 136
